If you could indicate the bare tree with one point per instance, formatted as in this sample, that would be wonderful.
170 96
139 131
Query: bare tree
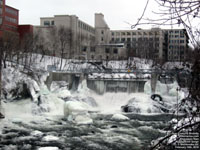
9 46
183 13
61 42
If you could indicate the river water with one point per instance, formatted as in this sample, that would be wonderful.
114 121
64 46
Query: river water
23 130
104 134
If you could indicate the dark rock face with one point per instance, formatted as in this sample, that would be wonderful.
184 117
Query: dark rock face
129 107
156 97
159 103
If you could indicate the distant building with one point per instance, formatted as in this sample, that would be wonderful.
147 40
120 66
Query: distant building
8 19
82 34
176 41
101 43
9 22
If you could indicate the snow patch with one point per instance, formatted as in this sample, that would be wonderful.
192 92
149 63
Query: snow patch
119 117
50 138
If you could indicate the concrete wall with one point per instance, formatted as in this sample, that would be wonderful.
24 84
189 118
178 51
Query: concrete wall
102 86
56 76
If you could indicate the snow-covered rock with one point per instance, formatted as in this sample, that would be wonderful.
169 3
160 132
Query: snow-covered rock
119 117
37 133
142 105
48 148
78 112
50 138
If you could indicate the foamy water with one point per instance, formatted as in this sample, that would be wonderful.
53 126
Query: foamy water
111 102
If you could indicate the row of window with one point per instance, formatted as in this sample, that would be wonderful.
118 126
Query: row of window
107 50
134 39
134 33
176 52
11 11
1 2
12 20
14 28
49 23
176 36
176 47
85 27
176 31
176 41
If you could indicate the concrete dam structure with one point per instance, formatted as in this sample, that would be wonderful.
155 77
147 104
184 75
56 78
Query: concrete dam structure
100 86
109 85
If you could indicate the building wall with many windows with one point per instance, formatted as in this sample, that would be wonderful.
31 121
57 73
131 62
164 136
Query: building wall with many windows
82 34
8 19
9 23
141 43
177 44
99 42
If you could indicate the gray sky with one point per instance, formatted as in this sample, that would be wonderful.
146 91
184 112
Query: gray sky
116 12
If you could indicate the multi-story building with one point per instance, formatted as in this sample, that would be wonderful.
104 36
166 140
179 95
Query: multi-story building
8 19
176 41
82 35
9 22
141 43
156 43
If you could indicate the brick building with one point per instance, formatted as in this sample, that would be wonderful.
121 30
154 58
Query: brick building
9 22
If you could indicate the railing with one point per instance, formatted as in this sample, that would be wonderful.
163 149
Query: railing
127 71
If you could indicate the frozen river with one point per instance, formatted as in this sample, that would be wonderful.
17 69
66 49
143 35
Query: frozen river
85 121
103 134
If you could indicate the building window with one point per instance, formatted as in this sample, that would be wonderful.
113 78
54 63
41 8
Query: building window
128 33
144 33
0 20
113 33
52 23
128 39
107 57
123 39
123 33
118 33
133 33
107 50
92 49
176 31
181 41
115 51
11 11
9 19
46 23
176 36
102 39
171 47
1 11
84 48
134 39
92 56
102 32
1 2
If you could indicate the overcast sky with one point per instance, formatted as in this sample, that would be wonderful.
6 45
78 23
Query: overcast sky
116 12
